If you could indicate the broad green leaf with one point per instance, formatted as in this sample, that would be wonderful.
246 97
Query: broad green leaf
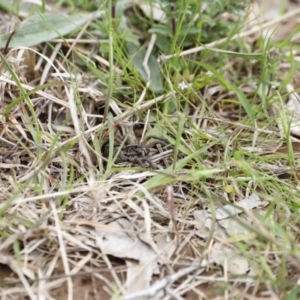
41 28
292 295
22 8
138 55
5 5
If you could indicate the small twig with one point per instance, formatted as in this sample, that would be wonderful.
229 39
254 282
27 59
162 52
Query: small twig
162 284
172 209
146 67
5 50
253 30
63 252
173 21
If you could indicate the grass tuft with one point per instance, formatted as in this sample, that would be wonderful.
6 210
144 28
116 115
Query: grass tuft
149 150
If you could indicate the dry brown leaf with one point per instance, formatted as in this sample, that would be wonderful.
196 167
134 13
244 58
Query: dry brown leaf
228 210
229 259
123 242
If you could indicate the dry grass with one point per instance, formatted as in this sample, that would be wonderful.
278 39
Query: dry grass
90 208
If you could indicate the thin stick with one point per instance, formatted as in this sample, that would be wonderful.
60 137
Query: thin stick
251 31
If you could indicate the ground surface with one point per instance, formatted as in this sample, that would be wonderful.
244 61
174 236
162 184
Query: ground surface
149 150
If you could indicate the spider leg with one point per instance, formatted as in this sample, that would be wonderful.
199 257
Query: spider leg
157 140
136 160
139 161
121 156
151 164
164 159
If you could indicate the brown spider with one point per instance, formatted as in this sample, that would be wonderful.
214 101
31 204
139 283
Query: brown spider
137 154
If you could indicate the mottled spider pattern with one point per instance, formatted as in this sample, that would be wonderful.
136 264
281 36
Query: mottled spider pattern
137 154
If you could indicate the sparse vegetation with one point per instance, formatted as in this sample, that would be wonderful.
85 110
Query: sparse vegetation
149 150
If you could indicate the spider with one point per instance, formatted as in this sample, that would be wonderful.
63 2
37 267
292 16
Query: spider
139 154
